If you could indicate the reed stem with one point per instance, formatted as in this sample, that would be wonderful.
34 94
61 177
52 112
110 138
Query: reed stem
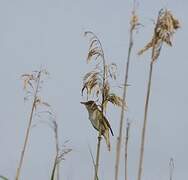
145 123
28 128
119 138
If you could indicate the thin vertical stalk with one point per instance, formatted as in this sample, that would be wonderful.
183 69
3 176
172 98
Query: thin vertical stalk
98 155
54 168
140 169
102 109
126 150
93 161
119 138
28 128
141 157
57 149
171 168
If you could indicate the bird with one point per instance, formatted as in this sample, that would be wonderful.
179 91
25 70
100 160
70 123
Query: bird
96 117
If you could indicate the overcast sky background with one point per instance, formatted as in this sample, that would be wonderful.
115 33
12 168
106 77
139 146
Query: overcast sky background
50 33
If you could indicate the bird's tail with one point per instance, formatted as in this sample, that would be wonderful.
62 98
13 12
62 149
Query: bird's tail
107 138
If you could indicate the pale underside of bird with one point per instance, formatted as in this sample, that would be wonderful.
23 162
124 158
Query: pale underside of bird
99 120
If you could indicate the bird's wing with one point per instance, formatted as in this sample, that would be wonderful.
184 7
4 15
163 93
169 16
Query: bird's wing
108 124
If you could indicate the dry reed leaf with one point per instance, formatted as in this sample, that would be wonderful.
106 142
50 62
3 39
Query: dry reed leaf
62 155
39 101
116 100
27 80
134 20
148 46
46 104
112 71
106 89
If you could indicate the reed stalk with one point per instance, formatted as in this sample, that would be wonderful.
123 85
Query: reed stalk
102 109
29 127
126 150
145 123
134 24
165 27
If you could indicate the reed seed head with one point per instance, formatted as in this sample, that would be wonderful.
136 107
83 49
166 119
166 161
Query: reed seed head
165 27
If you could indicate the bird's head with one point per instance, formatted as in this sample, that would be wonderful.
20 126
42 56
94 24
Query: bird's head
90 105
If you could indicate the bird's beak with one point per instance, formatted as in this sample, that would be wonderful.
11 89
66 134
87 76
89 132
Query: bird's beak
83 103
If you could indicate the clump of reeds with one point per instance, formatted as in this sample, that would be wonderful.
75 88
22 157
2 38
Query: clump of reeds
32 86
97 85
165 27
133 26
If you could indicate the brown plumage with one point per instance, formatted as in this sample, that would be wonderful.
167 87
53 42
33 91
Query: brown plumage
96 117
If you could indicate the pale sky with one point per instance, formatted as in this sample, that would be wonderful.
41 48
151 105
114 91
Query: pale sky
50 33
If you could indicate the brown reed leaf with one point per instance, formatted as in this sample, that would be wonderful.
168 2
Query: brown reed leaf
134 20
106 89
112 71
27 80
116 100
